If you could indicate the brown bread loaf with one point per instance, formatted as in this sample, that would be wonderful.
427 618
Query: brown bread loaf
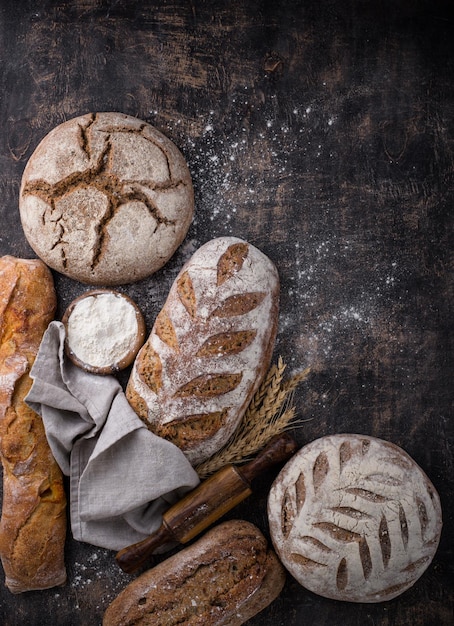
226 577
354 518
209 348
106 199
33 521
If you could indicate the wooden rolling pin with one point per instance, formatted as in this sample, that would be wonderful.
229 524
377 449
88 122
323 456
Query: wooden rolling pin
205 504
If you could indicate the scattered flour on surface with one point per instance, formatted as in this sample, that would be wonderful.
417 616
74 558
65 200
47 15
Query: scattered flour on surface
327 302
328 310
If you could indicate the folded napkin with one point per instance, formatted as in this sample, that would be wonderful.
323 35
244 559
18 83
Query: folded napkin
122 477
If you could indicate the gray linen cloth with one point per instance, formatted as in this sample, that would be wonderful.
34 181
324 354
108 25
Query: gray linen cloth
122 477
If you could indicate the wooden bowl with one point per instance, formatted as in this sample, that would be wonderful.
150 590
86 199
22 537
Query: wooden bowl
104 331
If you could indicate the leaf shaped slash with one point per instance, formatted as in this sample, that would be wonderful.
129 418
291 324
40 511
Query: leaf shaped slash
209 385
347 450
388 591
190 430
165 330
293 502
337 532
384 541
320 470
227 343
416 565
239 304
351 512
149 368
305 561
403 526
342 575
300 492
315 543
345 454
287 513
423 516
186 293
365 557
231 261
371 496
384 479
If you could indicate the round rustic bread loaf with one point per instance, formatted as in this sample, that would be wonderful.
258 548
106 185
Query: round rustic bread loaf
106 199
354 518
209 347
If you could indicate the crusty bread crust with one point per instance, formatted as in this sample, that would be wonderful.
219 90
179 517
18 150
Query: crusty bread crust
265 593
209 348
226 577
106 199
33 522
354 518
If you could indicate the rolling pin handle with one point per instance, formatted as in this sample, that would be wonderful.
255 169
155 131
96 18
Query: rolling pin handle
279 449
132 557
183 521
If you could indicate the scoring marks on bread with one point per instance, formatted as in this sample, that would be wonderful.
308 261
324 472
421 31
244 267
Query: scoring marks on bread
354 518
209 348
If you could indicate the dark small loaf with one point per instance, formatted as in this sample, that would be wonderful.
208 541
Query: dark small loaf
226 577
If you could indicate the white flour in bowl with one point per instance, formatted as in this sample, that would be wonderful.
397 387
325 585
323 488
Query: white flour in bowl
102 329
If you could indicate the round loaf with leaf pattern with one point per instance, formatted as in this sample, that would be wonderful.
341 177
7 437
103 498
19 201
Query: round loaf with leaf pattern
354 518
209 348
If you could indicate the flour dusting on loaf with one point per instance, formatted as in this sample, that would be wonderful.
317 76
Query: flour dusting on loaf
106 199
209 348
33 521
224 578
354 518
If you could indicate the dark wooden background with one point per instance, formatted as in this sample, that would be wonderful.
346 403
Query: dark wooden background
322 132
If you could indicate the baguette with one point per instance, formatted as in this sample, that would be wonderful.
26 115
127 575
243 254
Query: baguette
33 521
226 577
209 348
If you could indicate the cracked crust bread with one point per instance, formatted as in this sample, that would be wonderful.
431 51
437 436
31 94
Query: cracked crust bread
106 199
209 347
354 518
224 578
33 521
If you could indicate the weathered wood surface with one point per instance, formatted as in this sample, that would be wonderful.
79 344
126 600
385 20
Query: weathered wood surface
322 132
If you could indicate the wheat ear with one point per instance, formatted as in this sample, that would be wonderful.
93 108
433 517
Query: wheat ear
270 413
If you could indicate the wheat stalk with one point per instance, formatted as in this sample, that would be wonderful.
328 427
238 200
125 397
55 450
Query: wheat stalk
275 372
269 413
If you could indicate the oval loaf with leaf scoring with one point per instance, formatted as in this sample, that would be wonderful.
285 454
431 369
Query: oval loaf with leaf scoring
209 348
354 518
